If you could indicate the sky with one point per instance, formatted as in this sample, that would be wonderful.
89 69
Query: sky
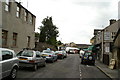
75 19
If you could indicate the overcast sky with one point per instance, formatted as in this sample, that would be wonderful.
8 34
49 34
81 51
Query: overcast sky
75 19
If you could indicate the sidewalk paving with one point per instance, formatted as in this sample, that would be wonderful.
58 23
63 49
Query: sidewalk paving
107 71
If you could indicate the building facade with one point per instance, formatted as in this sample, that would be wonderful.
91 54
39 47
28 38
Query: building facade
104 40
18 26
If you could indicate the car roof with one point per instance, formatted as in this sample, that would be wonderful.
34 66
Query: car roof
6 49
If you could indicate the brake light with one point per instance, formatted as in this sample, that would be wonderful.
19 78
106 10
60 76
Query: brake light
32 61
93 53
50 55
59 54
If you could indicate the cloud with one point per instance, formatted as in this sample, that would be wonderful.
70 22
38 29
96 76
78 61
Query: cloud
75 19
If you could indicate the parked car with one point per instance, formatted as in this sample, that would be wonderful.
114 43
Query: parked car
61 54
9 63
88 58
49 55
31 58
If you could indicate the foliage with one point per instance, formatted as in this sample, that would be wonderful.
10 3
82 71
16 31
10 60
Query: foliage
48 31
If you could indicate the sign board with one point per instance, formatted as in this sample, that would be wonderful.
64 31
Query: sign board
107 36
107 49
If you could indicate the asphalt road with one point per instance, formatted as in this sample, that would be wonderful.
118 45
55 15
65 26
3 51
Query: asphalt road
69 67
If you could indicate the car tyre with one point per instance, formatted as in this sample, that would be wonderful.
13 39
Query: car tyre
35 67
93 63
44 64
13 73
52 61
81 61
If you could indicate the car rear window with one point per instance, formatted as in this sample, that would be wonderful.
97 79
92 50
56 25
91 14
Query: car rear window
27 53
46 51
88 54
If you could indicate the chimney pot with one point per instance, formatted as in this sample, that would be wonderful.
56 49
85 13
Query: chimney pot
112 21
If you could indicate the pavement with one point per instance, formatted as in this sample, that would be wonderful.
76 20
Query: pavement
111 73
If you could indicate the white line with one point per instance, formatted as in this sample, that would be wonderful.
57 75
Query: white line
80 75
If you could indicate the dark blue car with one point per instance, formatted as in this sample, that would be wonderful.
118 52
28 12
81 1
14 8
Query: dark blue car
88 58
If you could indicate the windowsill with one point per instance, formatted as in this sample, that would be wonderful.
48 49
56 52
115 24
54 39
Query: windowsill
4 46
14 46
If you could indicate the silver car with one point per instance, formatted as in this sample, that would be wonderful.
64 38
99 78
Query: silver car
9 63
49 55
31 58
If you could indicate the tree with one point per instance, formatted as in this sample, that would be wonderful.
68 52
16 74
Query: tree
48 31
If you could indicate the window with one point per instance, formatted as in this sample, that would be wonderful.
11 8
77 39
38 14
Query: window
31 20
4 37
14 39
25 15
28 41
38 54
7 5
18 12
7 55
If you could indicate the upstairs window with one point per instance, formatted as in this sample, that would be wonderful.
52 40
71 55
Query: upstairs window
18 12
25 15
28 41
31 19
14 39
7 5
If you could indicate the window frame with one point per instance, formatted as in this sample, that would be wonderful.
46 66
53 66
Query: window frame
12 55
4 37
28 41
14 43
7 5
18 11
25 16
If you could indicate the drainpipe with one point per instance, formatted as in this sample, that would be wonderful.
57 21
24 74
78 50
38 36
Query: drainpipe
102 46
0 24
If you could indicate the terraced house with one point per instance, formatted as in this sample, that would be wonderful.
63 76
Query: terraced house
17 25
107 42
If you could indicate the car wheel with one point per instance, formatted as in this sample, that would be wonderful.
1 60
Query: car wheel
35 67
13 73
44 64
93 63
62 57
52 61
81 61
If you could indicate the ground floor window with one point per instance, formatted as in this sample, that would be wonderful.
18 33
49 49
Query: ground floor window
4 37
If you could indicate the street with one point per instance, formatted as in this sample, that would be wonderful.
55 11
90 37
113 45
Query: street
69 67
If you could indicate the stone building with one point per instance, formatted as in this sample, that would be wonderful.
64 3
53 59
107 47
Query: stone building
17 26
104 39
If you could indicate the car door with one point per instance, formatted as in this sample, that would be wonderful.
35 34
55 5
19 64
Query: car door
39 59
0 64
7 62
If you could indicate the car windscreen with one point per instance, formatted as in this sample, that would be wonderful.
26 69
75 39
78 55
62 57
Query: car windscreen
27 53
87 54
46 51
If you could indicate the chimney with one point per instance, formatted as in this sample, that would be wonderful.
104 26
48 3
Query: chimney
112 21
